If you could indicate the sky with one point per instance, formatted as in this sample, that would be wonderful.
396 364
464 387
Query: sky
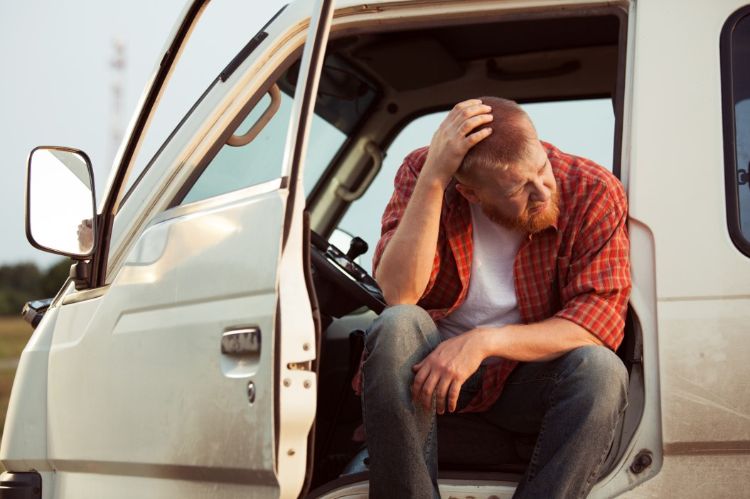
58 89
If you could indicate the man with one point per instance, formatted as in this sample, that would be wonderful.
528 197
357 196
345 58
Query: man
504 262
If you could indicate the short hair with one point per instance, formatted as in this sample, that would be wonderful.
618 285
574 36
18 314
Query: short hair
507 144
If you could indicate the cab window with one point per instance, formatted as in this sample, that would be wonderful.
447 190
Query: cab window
239 165
735 52
220 33
580 127
343 99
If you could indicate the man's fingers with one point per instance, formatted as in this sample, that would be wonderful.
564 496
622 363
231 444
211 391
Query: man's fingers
441 394
453 394
427 391
467 103
476 137
458 117
474 122
419 380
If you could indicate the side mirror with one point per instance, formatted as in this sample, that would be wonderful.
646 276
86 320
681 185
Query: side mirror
60 203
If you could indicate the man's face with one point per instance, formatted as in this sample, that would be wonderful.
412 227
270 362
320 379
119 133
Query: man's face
523 197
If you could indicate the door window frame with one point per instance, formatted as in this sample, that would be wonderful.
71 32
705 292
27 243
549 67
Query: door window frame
731 180
135 136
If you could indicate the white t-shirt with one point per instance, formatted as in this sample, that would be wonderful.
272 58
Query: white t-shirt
491 299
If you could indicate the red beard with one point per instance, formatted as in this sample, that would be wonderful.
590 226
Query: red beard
526 222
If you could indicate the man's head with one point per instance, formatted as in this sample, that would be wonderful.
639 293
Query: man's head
508 173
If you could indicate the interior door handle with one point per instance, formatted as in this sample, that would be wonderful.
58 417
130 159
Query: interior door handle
247 137
241 342
377 161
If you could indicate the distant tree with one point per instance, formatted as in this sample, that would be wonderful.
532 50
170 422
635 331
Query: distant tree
11 301
21 276
54 278
22 282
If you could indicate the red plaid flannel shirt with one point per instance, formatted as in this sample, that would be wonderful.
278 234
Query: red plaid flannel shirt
578 270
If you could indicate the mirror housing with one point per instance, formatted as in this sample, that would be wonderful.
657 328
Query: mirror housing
60 202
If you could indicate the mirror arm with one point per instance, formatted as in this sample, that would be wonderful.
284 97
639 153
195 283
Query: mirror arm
80 273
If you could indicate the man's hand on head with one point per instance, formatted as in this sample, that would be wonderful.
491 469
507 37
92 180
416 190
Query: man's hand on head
413 222
454 137
442 373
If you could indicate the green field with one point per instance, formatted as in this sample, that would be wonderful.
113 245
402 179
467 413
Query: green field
14 333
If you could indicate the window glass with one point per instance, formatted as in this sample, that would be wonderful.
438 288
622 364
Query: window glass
261 160
322 145
584 128
222 30
739 80
742 118
344 97
236 167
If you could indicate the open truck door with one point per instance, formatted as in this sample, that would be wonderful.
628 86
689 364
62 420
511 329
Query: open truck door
184 367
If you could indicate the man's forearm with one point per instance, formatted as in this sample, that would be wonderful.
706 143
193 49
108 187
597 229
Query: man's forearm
445 369
540 341
406 264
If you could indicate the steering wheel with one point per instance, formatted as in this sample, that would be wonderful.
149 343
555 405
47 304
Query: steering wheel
351 285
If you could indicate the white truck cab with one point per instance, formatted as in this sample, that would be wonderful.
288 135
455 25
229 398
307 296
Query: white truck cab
205 343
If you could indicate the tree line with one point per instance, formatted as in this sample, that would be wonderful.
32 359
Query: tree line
22 282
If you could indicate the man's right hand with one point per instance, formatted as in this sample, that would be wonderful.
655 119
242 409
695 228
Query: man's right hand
454 138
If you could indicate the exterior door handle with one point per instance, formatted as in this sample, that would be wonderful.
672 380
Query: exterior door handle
241 342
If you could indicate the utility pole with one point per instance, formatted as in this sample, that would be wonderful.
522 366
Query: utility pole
118 65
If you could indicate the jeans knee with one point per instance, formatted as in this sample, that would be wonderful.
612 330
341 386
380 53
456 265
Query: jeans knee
600 376
401 334
402 328
405 316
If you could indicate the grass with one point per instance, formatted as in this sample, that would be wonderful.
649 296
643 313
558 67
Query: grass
6 382
14 334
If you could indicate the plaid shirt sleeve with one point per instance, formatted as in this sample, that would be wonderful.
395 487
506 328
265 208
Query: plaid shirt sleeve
404 184
596 291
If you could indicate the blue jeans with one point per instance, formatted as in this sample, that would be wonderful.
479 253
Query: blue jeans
573 402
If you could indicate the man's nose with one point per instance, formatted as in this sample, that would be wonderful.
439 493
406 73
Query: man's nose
541 193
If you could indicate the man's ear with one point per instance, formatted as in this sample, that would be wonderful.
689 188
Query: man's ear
467 192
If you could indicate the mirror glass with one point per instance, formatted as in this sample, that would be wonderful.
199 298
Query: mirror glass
60 202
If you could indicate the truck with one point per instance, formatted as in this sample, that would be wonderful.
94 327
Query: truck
205 341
